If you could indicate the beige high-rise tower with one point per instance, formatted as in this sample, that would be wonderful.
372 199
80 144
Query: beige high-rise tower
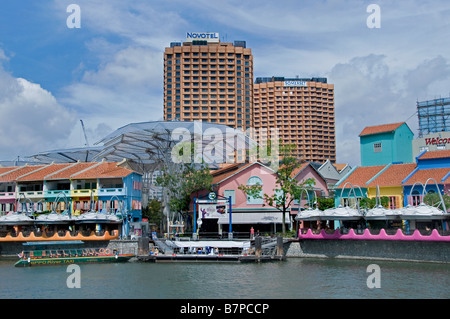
208 80
302 111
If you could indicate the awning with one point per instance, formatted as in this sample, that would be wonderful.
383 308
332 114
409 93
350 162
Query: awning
254 218
212 243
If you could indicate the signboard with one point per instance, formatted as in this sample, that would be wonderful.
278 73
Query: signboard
202 36
213 210
295 83
437 141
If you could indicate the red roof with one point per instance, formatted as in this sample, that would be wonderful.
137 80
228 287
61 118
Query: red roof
296 171
103 170
422 175
71 170
39 175
435 154
393 175
226 172
4 170
384 128
361 175
14 174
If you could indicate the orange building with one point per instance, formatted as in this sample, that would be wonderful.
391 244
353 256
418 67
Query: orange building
207 80
302 111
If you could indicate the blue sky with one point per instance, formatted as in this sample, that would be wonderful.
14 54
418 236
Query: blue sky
109 72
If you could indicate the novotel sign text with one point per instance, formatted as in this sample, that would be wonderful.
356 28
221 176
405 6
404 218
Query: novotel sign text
208 36
295 83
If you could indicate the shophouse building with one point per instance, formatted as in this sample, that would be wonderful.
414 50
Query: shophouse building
387 143
247 211
77 187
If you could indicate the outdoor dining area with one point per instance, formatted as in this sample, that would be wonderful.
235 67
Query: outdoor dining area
420 222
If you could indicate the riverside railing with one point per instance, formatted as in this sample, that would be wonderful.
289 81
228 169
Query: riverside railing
383 234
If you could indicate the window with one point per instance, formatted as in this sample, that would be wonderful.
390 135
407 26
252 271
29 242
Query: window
392 202
377 147
255 180
230 192
415 198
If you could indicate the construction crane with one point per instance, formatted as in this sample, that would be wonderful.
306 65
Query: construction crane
84 132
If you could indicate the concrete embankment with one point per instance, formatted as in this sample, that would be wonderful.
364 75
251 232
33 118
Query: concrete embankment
420 251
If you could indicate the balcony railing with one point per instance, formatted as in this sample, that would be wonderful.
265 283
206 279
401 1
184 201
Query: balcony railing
110 191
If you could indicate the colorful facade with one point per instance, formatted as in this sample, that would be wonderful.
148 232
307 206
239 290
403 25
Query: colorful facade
402 183
250 212
78 187
384 144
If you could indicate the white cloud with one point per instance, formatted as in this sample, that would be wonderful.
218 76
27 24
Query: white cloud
126 89
31 120
378 73
368 92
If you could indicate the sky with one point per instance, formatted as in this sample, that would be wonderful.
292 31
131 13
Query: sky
108 71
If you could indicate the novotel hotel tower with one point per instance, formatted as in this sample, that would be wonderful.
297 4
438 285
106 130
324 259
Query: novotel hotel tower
208 80
301 110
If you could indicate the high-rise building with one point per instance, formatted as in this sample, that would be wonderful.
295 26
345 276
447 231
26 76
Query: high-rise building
208 80
301 110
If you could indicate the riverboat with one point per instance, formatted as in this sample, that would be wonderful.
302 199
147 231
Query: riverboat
70 256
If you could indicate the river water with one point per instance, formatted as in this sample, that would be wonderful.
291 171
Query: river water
295 278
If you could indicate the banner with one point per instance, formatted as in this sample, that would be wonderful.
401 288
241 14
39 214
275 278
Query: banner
213 210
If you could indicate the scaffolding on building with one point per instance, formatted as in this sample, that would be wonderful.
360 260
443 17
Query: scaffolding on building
434 116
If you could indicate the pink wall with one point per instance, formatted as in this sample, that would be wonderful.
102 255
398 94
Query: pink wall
310 172
269 183
232 183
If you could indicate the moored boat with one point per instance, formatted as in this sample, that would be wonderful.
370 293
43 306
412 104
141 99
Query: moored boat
70 256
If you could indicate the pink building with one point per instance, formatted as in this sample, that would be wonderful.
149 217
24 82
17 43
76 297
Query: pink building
249 212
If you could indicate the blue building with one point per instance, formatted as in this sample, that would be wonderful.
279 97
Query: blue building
387 143
432 172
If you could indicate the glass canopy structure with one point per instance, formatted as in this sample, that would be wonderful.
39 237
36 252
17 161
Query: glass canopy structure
147 145
82 154
152 144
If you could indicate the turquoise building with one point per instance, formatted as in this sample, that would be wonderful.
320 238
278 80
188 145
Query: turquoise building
387 143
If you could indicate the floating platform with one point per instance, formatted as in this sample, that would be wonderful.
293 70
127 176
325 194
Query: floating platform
208 258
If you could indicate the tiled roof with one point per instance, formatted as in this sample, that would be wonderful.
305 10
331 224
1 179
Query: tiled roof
361 175
4 170
103 170
14 174
228 172
422 175
71 170
380 128
39 175
226 168
299 169
393 175
436 154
